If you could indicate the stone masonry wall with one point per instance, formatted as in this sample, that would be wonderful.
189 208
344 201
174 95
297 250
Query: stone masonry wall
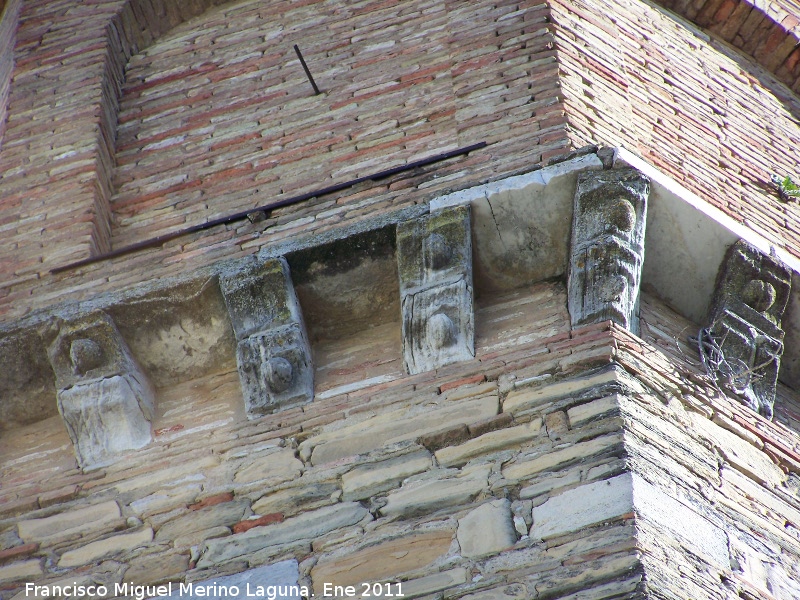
537 470
238 126
688 103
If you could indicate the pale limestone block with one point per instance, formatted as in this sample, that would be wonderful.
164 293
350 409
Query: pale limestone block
489 442
583 506
383 561
583 413
434 583
306 526
426 496
368 480
105 548
396 426
275 467
28 570
284 575
519 401
81 520
488 529
556 459
155 568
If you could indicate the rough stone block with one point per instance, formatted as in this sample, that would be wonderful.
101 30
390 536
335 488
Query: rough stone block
493 441
583 506
382 562
28 570
272 352
274 467
607 250
105 548
226 513
583 413
434 263
488 529
279 580
368 480
437 582
93 518
305 526
525 399
425 496
105 398
556 459
396 426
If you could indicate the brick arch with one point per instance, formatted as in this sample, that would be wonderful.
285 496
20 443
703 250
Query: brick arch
8 25
767 31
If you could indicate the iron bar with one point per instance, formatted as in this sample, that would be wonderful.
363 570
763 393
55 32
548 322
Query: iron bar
267 208
305 68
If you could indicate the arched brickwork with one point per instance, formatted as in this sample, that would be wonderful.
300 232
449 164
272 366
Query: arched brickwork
8 26
767 31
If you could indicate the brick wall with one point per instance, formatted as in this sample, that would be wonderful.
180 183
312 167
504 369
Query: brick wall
235 134
710 117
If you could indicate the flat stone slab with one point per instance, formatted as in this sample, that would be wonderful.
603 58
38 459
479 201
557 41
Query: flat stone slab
278 580
305 526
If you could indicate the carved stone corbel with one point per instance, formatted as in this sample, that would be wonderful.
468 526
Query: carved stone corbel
742 346
607 248
272 351
104 397
434 263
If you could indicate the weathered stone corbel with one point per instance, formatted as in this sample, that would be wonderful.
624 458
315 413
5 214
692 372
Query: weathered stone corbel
607 248
272 351
434 263
105 398
742 346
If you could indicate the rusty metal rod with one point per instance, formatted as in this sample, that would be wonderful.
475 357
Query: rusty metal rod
305 68
240 216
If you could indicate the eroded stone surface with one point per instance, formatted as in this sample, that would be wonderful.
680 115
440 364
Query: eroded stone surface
306 526
80 520
434 263
742 346
105 398
488 529
383 561
272 352
607 250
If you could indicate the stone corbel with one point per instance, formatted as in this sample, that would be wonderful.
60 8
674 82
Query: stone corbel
434 263
607 249
742 346
103 395
272 351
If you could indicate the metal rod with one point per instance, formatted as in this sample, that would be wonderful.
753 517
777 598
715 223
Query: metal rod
305 68
240 216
